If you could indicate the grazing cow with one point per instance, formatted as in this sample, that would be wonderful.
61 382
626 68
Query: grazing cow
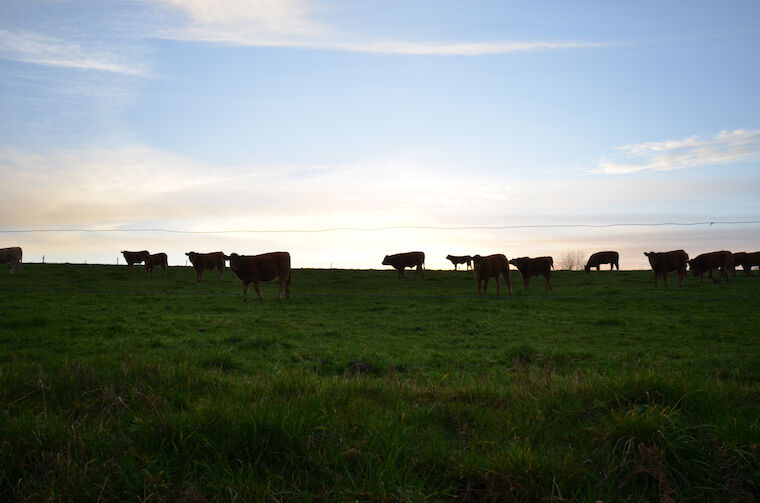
399 261
747 261
156 259
264 267
604 257
134 257
664 262
12 256
492 266
707 262
533 267
460 259
203 261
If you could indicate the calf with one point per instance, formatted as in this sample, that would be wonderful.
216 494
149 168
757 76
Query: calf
747 261
707 262
11 256
664 262
492 266
603 257
156 259
460 259
533 267
134 257
203 261
264 267
400 261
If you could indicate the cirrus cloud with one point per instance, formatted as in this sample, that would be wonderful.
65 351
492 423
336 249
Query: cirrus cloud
295 23
694 151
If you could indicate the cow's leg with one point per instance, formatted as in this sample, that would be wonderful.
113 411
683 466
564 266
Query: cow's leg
256 286
287 287
221 273
245 291
283 286
507 276
485 286
401 272
200 275
526 281
421 270
548 282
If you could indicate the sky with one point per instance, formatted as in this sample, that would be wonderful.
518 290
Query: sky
342 131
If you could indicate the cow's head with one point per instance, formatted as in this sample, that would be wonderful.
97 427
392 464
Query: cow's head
652 256
234 260
387 260
518 262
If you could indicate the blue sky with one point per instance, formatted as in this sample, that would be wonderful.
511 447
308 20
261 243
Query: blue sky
202 116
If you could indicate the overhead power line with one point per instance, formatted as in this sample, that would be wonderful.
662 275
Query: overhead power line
392 227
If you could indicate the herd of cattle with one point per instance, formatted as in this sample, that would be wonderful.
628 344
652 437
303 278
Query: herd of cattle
276 265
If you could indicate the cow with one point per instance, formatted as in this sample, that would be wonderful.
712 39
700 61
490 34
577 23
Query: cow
134 257
264 267
664 262
747 260
460 259
707 262
11 256
203 261
603 257
399 261
492 266
533 267
156 259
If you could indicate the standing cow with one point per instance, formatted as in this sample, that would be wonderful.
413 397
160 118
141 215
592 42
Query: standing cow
11 256
492 266
135 257
400 261
723 261
533 267
747 261
603 257
156 259
203 261
664 262
264 267
460 259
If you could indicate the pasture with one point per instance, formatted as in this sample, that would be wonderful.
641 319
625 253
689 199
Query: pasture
363 387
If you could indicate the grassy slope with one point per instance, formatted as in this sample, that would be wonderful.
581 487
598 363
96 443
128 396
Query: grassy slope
366 387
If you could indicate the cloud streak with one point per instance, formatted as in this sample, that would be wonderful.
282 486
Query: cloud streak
692 152
30 47
294 24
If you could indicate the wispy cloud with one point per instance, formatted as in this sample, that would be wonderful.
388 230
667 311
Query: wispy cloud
691 152
295 23
30 47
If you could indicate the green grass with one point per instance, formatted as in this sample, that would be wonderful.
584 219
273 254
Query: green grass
362 387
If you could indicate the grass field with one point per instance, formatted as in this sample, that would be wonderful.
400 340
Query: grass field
116 387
